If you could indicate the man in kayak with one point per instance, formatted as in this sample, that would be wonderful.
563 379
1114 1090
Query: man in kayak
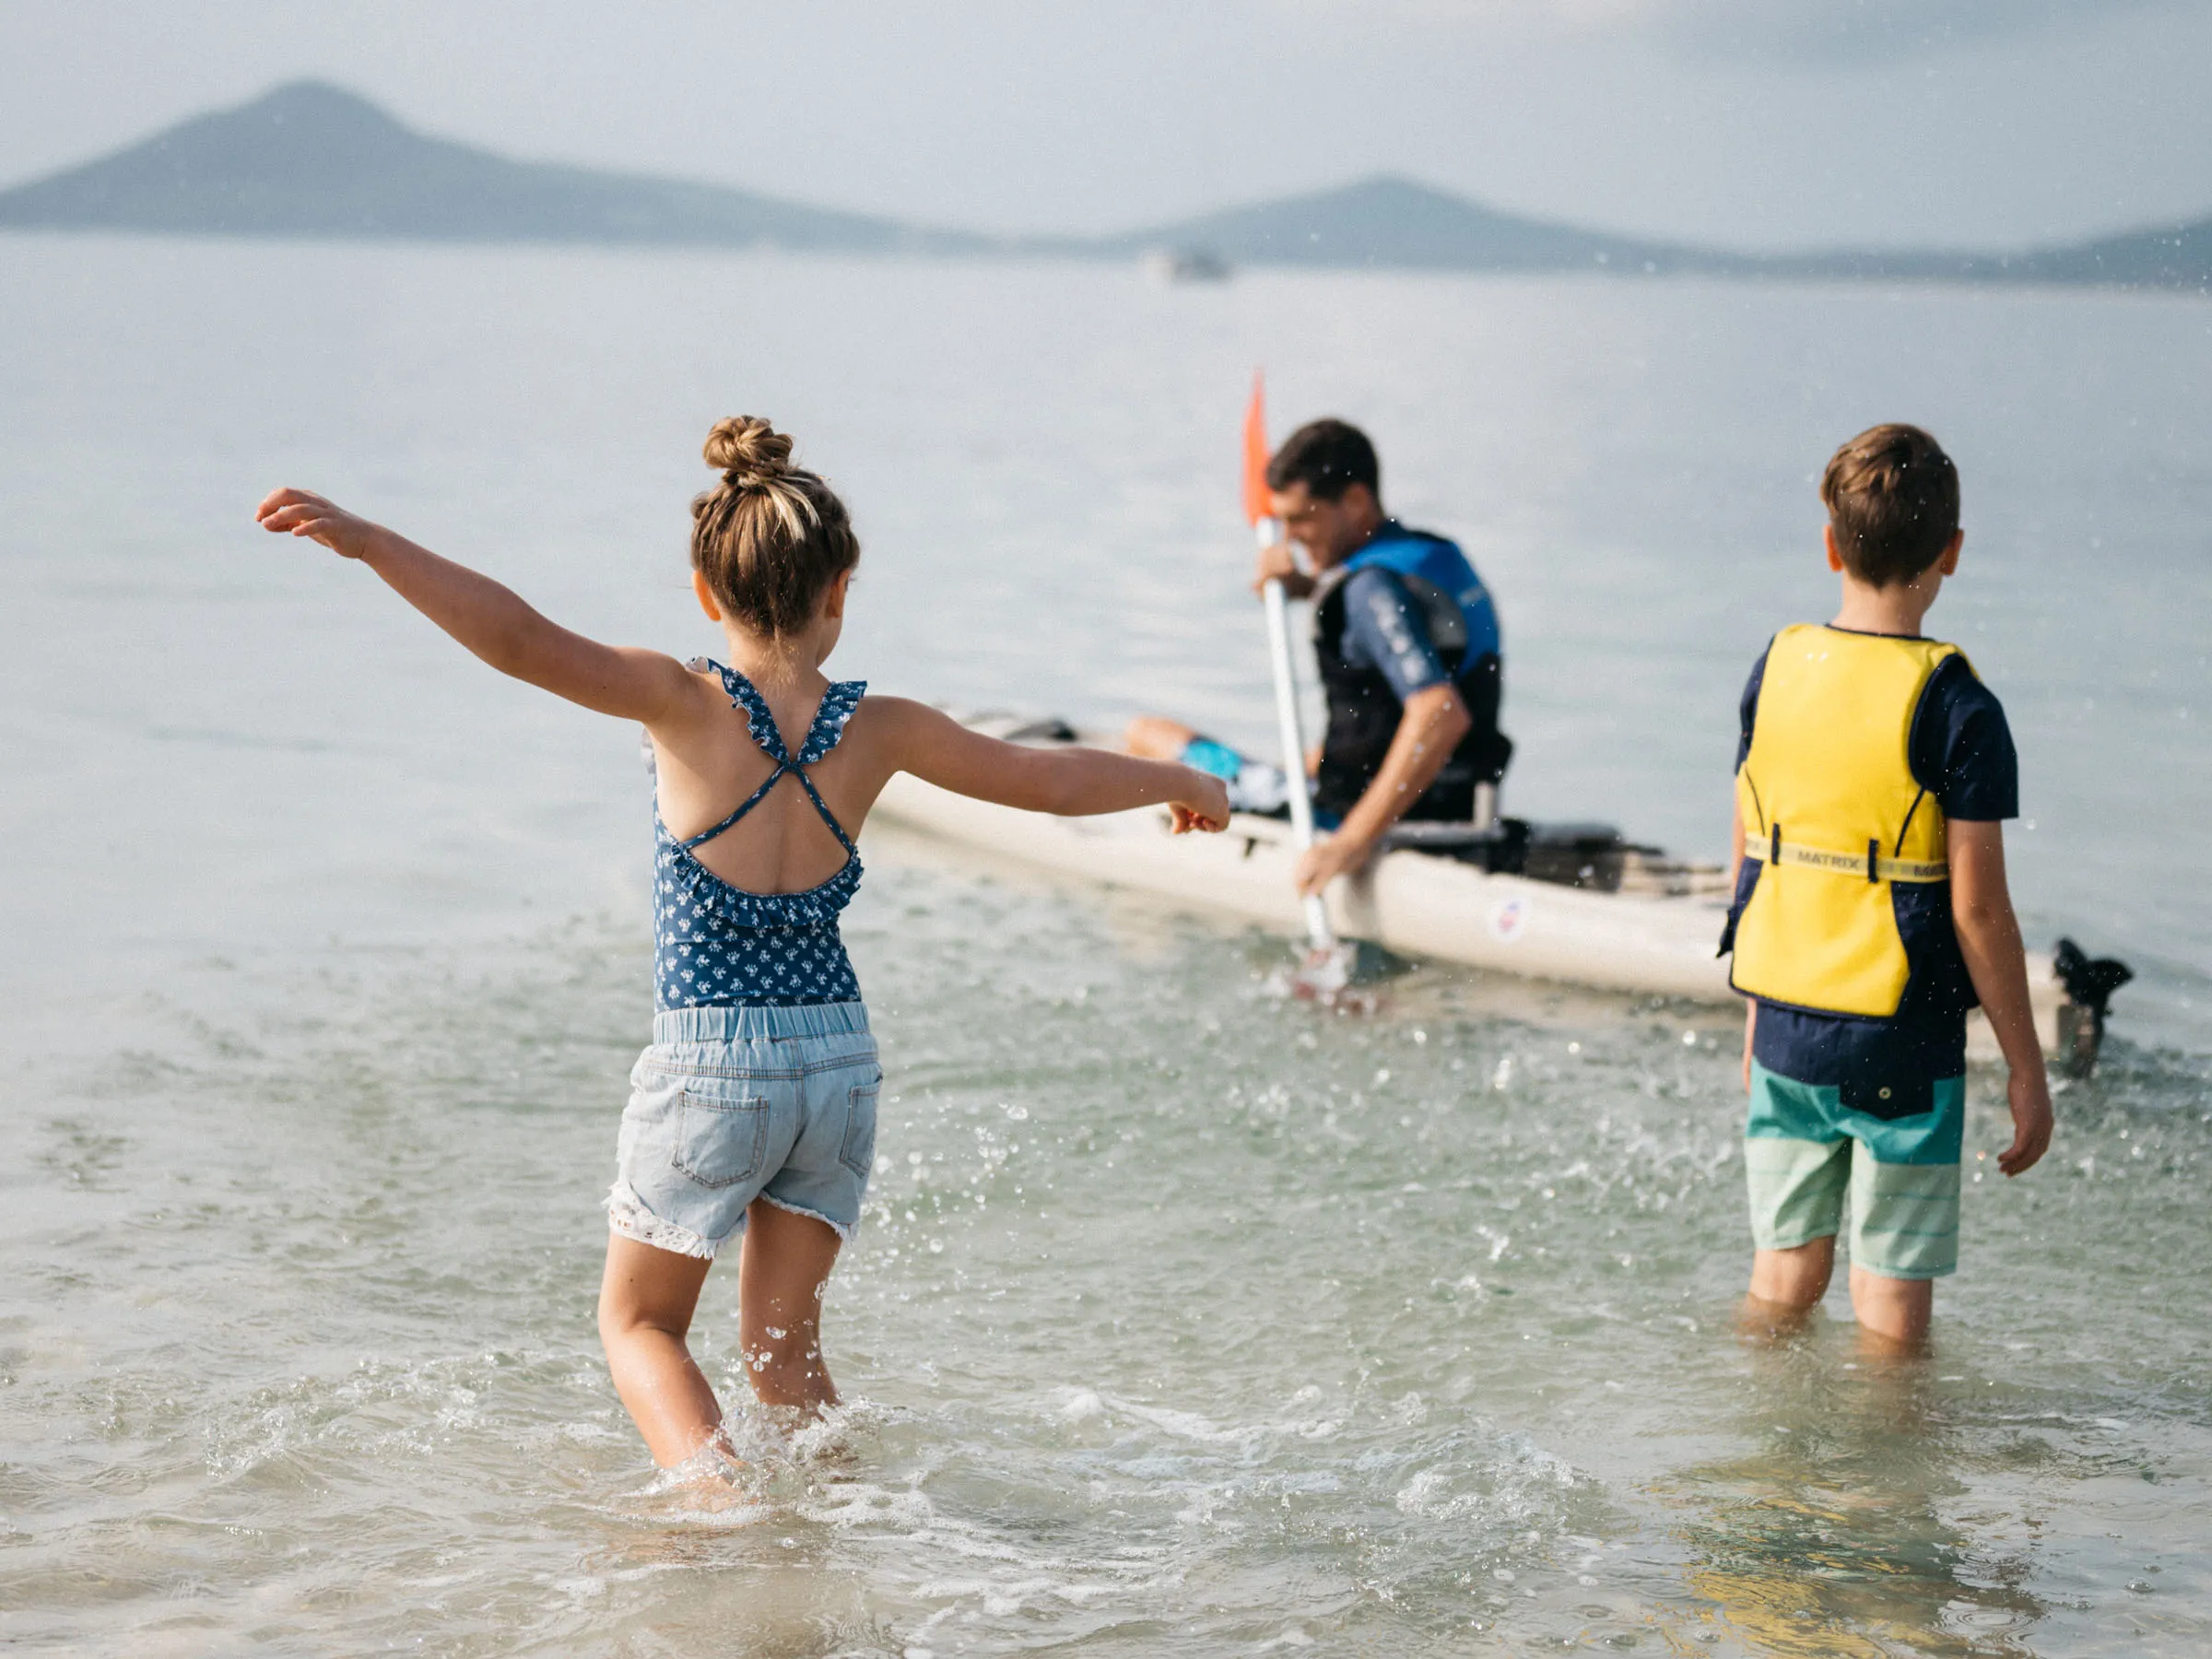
1406 641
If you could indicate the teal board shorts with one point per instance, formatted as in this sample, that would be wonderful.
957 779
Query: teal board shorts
1804 1153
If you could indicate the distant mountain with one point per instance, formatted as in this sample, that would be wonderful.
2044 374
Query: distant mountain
313 160
2181 257
1398 223
1391 221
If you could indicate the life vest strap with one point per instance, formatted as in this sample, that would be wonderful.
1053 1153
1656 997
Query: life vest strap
1867 867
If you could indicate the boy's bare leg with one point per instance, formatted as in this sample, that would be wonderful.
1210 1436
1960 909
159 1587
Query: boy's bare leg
1786 1286
1156 738
782 1276
646 1301
1892 1312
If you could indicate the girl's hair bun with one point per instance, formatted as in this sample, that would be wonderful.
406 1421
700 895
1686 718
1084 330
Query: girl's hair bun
771 536
747 452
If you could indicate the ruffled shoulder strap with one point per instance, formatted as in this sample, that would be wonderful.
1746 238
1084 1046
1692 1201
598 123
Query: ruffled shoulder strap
830 719
745 695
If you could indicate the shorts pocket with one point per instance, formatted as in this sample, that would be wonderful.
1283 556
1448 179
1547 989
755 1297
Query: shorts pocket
858 1153
720 1140
1887 1098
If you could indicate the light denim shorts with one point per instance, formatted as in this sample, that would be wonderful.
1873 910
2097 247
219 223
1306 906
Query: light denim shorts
733 1104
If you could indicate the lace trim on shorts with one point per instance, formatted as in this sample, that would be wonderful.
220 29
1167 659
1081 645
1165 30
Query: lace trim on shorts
628 1215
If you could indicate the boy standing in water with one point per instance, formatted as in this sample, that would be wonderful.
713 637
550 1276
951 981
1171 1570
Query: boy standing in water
1873 777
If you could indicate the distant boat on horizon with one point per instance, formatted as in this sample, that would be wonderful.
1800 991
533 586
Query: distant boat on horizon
1186 264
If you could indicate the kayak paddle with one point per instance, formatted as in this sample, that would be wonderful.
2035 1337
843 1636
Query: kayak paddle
1327 967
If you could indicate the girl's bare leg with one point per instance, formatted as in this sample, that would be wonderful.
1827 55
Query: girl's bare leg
646 1301
782 1276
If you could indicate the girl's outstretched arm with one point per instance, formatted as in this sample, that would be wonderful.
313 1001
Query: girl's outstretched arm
493 621
1070 780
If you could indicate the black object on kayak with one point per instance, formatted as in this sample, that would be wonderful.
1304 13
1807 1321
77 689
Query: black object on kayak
2090 983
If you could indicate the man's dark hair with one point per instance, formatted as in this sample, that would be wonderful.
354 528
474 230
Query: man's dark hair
1328 457
1892 498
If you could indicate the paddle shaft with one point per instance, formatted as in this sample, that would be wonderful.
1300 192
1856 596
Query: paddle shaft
1294 747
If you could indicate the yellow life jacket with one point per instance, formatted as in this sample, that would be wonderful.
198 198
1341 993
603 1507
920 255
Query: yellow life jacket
1833 816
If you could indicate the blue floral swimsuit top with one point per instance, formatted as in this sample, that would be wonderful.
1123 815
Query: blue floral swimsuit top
716 944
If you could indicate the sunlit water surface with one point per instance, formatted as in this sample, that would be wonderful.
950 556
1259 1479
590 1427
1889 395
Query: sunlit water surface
1182 1318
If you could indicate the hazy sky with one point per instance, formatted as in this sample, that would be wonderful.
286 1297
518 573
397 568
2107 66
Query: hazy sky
1755 122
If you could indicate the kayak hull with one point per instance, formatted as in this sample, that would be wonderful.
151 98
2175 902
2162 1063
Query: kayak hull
1416 904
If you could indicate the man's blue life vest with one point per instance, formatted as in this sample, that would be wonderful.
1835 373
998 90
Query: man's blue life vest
1454 609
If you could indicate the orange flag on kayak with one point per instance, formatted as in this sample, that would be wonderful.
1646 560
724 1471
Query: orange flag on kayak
1257 504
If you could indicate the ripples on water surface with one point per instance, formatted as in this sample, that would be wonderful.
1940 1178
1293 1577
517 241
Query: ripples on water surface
1182 1318
1181 1321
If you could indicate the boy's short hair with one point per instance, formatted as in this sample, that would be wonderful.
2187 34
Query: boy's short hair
1328 457
1892 498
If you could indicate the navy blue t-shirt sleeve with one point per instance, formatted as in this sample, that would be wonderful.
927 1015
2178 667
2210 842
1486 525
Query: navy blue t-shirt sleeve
1385 632
1960 747
1748 710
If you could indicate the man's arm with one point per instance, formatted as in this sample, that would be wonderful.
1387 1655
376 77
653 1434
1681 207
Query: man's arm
1989 937
1434 721
1276 564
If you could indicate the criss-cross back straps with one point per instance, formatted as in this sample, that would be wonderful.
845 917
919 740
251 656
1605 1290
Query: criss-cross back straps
828 727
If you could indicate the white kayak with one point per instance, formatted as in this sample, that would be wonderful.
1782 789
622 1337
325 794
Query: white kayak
1590 910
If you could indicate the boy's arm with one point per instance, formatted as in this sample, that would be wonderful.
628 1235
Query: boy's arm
1736 865
1989 937
491 620
1072 781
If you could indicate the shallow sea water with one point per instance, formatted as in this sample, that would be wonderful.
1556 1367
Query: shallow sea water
1182 1318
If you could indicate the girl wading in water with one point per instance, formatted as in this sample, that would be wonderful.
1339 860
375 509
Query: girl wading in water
753 1112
